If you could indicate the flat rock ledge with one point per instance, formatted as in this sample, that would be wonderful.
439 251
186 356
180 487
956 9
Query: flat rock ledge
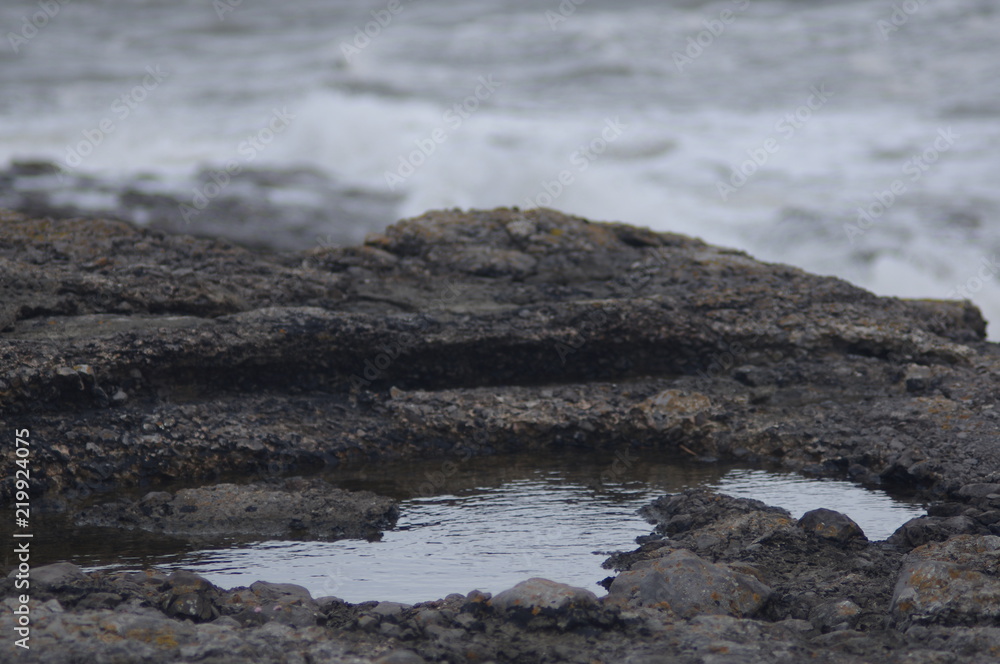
296 507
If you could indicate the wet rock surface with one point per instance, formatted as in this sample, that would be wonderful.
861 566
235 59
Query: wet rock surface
139 359
293 508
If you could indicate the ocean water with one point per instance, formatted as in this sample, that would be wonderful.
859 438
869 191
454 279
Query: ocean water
853 138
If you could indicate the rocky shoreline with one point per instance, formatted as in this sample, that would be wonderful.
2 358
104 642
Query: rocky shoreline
747 585
145 361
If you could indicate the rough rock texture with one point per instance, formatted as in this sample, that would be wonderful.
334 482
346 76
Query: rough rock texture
831 525
541 603
685 584
870 591
140 359
294 508
956 582
537 595
803 568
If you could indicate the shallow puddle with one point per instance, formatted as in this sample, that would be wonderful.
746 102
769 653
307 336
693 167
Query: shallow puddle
496 521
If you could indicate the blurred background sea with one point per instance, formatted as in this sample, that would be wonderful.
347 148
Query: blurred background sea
765 125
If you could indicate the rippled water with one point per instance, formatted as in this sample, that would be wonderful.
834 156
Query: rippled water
502 520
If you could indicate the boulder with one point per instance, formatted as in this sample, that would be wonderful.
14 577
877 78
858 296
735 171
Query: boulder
956 582
541 595
834 616
925 529
831 525
688 586
56 575
191 596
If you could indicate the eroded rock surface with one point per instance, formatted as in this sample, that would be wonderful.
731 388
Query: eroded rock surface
956 582
137 358
685 584
293 508
140 359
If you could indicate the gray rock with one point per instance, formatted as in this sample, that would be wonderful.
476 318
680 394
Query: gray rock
715 524
949 583
389 610
175 322
100 600
687 585
925 529
980 490
191 596
368 623
56 574
295 508
835 616
831 525
287 592
541 595
226 621
264 602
